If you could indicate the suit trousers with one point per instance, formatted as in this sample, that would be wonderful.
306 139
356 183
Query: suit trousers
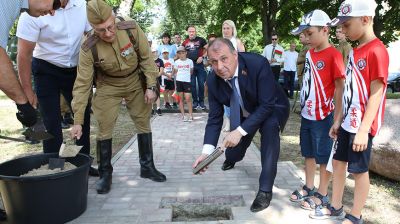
270 148
51 81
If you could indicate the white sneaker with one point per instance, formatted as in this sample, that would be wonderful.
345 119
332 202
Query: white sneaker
185 119
190 119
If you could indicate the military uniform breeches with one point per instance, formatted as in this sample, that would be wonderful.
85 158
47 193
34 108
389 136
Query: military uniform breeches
107 102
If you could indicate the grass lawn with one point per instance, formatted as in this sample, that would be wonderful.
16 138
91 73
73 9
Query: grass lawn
382 206
10 126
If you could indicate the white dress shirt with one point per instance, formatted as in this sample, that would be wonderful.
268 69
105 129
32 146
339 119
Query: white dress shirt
207 148
290 62
267 53
58 37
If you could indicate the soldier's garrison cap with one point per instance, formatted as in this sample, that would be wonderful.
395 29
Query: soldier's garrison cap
98 11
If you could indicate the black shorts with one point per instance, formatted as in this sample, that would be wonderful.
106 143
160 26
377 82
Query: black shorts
169 84
185 87
358 162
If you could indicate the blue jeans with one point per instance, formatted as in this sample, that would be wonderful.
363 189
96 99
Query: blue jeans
50 81
198 79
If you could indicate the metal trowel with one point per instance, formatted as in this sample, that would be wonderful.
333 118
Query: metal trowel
66 151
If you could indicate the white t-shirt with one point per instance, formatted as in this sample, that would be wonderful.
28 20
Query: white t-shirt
290 61
183 67
168 65
58 37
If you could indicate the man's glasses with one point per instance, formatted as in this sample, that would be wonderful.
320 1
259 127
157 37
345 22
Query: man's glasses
110 28
56 4
274 39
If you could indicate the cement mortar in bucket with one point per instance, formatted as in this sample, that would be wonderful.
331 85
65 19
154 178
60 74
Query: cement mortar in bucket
47 199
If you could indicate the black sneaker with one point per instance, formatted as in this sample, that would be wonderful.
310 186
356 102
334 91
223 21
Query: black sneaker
203 107
159 112
153 112
175 106
168 106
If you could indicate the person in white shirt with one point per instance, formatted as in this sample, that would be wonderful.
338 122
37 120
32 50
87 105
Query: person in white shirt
183 70
289 69
275 55
48 47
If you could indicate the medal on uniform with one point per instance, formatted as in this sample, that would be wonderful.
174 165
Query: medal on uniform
126 50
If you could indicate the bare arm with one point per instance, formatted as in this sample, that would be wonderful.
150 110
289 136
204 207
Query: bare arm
240 46
8 80
361 138
338 114
24 58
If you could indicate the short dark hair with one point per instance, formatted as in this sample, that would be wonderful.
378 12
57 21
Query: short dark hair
165 35
211 36
187 28
224 41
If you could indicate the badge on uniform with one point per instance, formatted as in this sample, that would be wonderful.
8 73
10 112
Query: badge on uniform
126 50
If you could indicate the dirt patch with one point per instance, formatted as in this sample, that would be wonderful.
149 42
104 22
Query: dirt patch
382 205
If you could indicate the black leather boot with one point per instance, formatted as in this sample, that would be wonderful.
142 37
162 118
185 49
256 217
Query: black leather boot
104 150
147 168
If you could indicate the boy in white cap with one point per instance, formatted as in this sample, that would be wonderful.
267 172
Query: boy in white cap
168 80
323 83
363 107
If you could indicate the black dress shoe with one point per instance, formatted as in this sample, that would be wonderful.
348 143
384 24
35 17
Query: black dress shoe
93 172
3 215
227 165
261 202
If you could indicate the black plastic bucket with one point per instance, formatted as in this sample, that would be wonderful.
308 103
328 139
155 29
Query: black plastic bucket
47 199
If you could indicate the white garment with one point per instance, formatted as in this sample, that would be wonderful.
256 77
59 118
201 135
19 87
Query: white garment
58 37
234 42
267 53
183 69
290 61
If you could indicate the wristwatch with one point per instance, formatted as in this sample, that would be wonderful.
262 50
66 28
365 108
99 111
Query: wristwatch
153 88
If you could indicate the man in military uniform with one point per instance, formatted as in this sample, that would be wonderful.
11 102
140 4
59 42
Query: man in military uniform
344 47
112 55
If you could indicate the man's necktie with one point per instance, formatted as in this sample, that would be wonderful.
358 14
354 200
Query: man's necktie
273 52
234 105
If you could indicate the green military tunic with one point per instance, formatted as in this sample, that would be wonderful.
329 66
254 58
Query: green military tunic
117 79
301 59
344 47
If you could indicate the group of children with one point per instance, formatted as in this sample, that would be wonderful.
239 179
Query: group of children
343 103
175 76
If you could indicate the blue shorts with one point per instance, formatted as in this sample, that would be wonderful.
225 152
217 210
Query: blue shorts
358 162
314 139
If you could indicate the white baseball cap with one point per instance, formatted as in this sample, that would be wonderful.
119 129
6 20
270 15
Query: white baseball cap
164 50
354 8
313 18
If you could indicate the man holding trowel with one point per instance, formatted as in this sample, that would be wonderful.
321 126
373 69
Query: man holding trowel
112 54
48 48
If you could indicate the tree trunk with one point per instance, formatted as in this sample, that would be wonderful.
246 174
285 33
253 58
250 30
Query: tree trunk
125 7
269 9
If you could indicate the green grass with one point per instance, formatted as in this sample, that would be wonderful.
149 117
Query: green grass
392 95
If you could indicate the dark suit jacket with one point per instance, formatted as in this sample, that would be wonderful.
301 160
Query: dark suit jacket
262 97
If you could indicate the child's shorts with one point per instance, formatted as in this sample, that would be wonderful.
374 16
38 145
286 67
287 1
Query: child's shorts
183 87
314 139
169 84
357 161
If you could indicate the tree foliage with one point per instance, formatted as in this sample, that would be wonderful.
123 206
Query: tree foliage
256 20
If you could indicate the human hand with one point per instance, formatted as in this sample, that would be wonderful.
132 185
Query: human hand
76 131
360 141
149 96
273 60
232 139
26 114
198 161
199 60
333 132
32 98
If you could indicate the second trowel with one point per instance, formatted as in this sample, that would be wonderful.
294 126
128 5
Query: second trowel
66 151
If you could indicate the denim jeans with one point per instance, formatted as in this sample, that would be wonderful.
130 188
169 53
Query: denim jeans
198 79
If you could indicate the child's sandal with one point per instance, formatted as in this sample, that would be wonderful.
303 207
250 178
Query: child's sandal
353 219
299 196
309 203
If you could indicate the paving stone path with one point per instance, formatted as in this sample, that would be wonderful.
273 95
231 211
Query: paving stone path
176 145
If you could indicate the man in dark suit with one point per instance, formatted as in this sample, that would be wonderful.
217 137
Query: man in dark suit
245 81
